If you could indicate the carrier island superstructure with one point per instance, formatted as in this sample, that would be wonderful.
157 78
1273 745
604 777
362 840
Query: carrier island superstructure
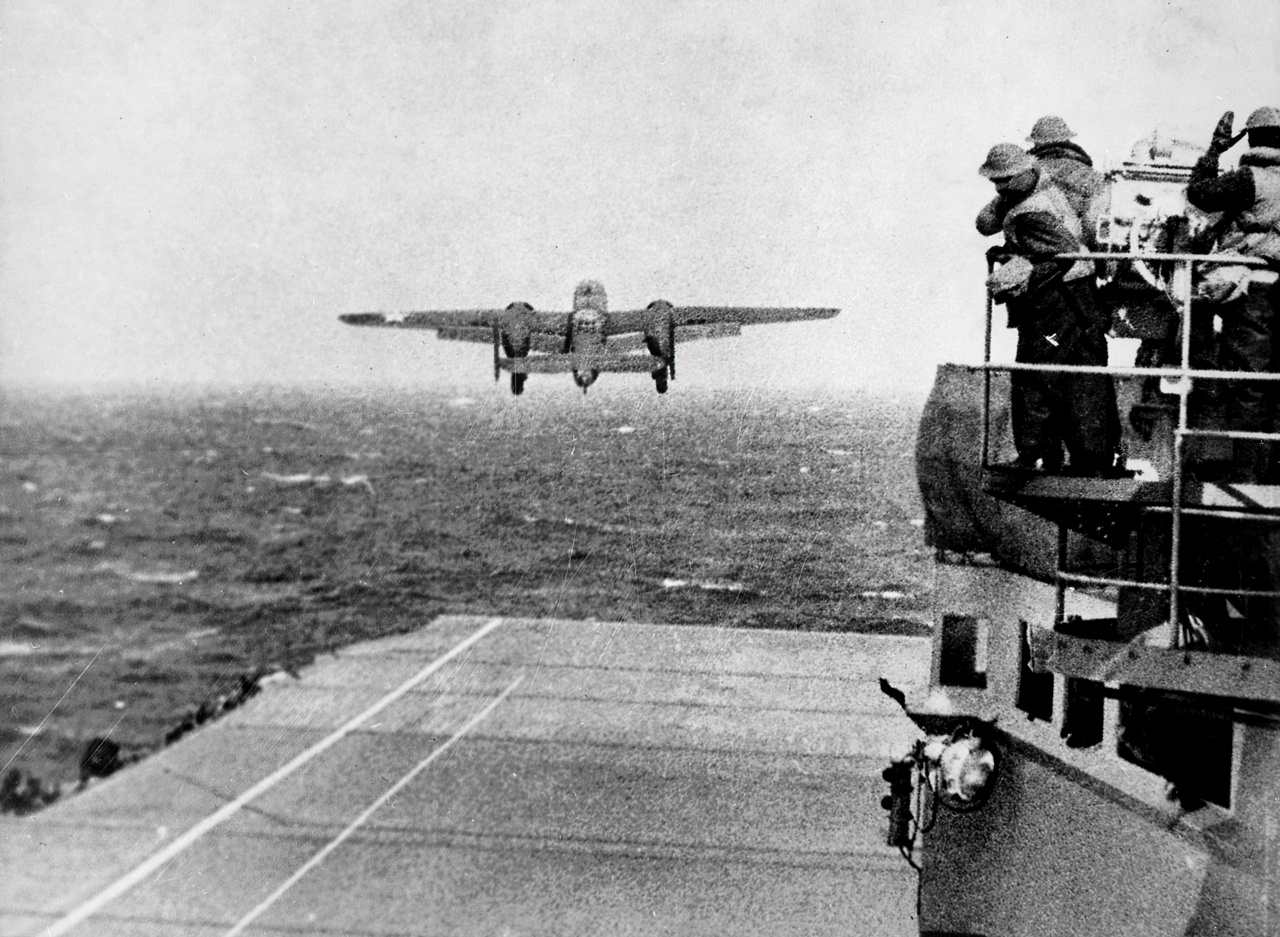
1100 741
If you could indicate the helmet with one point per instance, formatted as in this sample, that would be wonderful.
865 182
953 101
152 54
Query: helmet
1006 160
1050 130
1263 117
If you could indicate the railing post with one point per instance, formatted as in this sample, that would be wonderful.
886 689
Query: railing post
986 375
1185 385
1059 581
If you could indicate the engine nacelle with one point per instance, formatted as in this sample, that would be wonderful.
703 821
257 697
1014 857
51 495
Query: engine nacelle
513 338
660 335
516 332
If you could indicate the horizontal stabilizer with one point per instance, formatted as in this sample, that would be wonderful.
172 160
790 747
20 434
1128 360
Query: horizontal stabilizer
621 344
540 364
630 363
691 333
562 364
547 342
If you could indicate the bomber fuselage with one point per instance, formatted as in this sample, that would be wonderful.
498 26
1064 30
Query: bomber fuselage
587 329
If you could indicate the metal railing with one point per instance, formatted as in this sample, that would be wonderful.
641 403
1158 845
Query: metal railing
1178 381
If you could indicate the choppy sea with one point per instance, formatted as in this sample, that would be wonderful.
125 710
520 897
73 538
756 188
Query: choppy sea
157 554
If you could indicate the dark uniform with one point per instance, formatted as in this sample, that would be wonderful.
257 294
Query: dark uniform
1248 302
1248 299
1056 312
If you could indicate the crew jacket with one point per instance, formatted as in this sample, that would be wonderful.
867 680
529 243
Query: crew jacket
1036 227
1040 224
1072 169
1248 198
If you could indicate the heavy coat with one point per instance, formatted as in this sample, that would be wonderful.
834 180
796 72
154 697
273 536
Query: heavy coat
1059 321
1249 199
1085 188
1036 227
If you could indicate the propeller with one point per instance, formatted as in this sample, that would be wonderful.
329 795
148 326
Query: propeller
671 344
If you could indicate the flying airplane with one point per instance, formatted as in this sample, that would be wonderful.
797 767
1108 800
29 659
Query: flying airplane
589 339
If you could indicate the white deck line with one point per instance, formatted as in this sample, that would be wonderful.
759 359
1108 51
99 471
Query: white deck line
166 855
369 811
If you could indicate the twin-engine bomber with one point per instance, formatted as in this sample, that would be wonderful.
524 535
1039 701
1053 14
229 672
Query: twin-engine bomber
590 338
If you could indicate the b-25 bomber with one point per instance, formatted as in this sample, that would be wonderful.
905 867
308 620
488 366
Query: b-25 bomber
590 338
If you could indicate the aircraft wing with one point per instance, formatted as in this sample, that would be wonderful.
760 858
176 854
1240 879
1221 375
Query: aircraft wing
689 333
434 319
468 325
747 315
715 321
622 342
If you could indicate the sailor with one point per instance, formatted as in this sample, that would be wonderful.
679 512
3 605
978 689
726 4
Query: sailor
1053 306
1248 303
1247 298
1071 168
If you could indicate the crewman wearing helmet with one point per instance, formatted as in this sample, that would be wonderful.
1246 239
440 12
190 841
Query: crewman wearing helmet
1070 168
1052 304
1248 299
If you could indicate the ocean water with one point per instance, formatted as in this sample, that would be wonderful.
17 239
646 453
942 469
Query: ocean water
157 553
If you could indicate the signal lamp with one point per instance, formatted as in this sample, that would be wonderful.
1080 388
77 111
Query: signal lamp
961 768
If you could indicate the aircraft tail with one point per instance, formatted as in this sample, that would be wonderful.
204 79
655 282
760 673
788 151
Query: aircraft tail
562 364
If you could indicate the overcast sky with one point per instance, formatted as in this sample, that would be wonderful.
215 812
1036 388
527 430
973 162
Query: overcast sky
192 192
